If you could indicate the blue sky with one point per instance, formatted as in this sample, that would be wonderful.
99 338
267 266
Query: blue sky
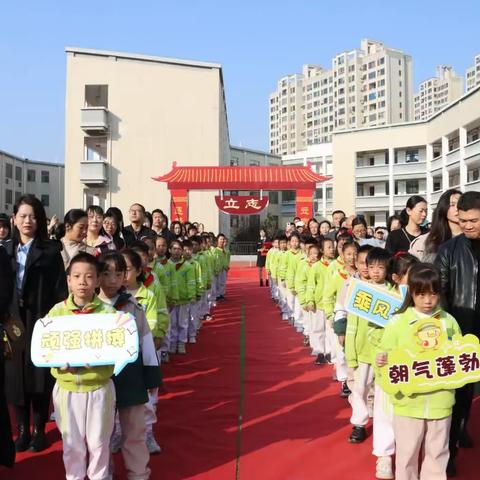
255 41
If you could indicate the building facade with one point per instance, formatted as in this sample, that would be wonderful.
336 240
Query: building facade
473 74
376 170
319 158
364 87
129 117
437 92
19 176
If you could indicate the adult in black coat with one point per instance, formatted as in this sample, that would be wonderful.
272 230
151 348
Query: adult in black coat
40 283
7 447
459 264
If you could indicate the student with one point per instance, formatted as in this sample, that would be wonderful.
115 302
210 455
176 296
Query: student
184 275
294 256
136 378
134 284
311 328
338 263
335 309
319 340
359 358
328 251
280 278
270 267
84 397
194 310
421 421
164 271
222 265
383 435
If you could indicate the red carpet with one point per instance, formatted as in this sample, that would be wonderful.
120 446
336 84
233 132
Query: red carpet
293 426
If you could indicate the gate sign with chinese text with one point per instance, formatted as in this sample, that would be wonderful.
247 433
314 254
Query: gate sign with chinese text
375 304
433 362
241 205
79 340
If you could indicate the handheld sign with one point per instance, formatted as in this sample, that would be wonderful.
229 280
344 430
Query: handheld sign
375 304
433 362
79 340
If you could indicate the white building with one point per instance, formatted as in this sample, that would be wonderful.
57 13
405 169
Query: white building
473 74
19 176
377 169
319 157
364 87
437 92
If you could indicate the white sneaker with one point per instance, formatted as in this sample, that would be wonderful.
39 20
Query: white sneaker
192 340
181 348
384 468
152 445
116 443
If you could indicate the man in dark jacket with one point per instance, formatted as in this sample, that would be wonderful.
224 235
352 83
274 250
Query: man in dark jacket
458 261
7 447
136 230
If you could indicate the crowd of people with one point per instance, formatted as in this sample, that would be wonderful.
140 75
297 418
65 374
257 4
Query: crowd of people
169 279
309 268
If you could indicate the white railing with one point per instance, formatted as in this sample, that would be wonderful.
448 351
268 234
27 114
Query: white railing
93 173
94 118
472 149
453 157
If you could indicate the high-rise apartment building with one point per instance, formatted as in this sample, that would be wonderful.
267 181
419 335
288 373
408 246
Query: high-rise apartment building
437 92
364 87
473 74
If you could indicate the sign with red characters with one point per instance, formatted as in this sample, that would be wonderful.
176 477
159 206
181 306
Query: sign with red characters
237 205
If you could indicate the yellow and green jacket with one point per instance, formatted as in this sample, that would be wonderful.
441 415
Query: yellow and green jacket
185 277
293 259
282 265
148 300
163 318
301 280
222 259
84 379
199 281
430 406
271 262
317 277
336 265
164 271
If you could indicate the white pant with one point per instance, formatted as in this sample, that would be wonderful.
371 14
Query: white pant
341 368
85 421
221 283
297 312
178 330
194 319
317 332
283 300
362 382
273 288
383 436
290 302
330 340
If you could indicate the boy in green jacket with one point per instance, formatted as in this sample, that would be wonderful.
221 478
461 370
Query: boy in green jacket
84 397
184 276
271 267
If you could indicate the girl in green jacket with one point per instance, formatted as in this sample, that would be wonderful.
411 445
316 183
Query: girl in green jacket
421 421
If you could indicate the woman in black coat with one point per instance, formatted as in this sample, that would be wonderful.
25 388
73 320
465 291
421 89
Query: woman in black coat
40 283
7 448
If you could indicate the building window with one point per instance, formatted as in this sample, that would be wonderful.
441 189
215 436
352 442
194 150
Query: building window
31 175
387 188
371 191
437 184
18 174
288 196
8 196
359 189
273 198
411 186
45 176
96 96
8 171
411 156
45 200
18 195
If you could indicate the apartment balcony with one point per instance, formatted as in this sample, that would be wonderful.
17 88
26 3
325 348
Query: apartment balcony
475 186
414 168
472 151
370 203
94 120
370 171
436 196
437 163
453 158
94 173
400 199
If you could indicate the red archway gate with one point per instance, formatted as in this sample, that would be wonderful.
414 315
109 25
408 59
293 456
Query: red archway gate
299 178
